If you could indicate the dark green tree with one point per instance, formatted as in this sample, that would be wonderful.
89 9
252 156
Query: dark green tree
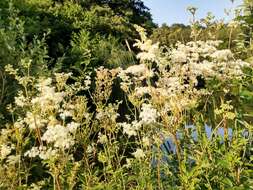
101 20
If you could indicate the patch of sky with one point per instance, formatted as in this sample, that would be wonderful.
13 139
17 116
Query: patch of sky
175 11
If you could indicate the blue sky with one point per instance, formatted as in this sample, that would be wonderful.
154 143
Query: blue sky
174 11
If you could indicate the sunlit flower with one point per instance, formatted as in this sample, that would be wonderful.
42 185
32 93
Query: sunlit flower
129 129
59 135
102 138
42 152
20 100
13 159
139 154
148 114
145 141
34 120
5 150
65 114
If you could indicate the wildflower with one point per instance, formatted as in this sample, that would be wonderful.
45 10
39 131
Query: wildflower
43 83
100 115
48 154
138 154
222 55
9 69
32 153
128 129
90 149
233 24
128 162
148 114
72 127
37 186
20 100
34 120
145 141
178 56
19 125
140 91
5 150
13 159
61 78
136 125
65 114
48 98
139 70
58 135
87 81
43 152
150 52
102 138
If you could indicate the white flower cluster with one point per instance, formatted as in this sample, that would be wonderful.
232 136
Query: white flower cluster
20 99
130 129
5 150
148 114
47 118
65 113
102 138
134 73
61 78
60 136
138 70
149 53
139 154
149 50
49 99
205 59
178 73
34 120
43 152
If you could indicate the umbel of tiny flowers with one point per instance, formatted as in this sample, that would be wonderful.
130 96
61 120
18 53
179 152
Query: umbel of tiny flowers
139 154
55 134
148 114
177 86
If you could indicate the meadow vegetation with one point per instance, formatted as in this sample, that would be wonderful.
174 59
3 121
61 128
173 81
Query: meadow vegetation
94 95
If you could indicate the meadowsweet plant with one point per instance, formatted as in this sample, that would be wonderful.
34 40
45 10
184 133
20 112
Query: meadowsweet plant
168 88
179 123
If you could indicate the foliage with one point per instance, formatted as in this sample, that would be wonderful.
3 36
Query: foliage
71 36
245 17
16 50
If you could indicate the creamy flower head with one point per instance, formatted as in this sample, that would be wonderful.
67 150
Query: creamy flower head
48 98
178 56
139 70
102 138
128 129
139 154
34 120
148 114
60 136
43 152
20 100
222 55
145 141
150 51
5 150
